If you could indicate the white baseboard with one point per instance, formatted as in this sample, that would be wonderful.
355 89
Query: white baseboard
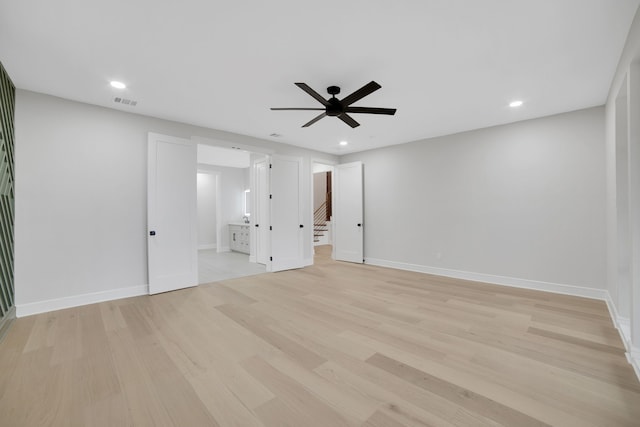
224 249
208 246
623 324
633 356
78 300
496 280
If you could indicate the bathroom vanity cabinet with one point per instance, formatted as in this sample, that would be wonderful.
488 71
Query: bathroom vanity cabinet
239 237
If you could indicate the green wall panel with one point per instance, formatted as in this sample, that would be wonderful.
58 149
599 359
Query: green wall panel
7 104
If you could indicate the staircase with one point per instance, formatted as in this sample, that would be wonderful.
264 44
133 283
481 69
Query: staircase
320 223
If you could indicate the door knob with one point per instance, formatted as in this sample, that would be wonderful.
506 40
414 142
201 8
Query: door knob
359 225
152 233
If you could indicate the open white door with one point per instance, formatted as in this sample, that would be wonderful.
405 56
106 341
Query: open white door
287 225
260 212
172 214
348 213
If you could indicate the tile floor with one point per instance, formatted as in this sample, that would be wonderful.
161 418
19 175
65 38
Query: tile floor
214 266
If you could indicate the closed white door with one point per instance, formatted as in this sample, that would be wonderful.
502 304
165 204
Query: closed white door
286 222
261 211
172 214
348 222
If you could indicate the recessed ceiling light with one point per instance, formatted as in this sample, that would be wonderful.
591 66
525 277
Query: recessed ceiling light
343 143
118 85
514 104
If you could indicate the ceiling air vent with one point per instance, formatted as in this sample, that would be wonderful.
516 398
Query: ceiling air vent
125 101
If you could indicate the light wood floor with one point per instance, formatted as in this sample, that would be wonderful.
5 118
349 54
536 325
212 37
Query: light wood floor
331 345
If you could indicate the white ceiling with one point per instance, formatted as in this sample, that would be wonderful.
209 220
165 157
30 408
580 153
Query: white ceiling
446 65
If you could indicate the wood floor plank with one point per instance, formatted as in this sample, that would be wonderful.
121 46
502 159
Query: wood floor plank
355 407
221 402
606 366
576 341
43 333
380 419
298 352
66 345
298 399
403 402
143 401
565 390
467 399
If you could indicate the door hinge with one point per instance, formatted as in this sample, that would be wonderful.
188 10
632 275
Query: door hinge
270 228
270 258
270 165
271 196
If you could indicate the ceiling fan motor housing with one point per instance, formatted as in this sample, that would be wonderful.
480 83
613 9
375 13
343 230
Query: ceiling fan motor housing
334 108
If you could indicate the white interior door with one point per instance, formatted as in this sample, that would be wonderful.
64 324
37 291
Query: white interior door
348 223
261 211
287 226
172 221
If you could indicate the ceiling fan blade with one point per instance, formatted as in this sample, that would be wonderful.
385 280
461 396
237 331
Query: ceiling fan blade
305 109
360 93
371 110
314 120
313 93
348 120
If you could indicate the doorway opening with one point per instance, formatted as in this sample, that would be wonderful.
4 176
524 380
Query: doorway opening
224 198
322 205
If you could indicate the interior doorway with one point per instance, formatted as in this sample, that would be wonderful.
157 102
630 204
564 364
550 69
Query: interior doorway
322 204
337 197
224 214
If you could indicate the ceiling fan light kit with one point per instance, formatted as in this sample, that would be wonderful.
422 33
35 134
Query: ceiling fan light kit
334 107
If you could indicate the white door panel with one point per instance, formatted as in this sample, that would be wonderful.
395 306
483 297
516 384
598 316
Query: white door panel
286 213
261 214
171 214
348 213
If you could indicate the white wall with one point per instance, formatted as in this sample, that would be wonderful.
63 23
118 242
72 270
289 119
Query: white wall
246 177
217 156
321 167
80 233
207 211
623 189
231 186
517 204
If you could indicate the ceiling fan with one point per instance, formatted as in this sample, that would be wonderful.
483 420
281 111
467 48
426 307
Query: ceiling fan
339 108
